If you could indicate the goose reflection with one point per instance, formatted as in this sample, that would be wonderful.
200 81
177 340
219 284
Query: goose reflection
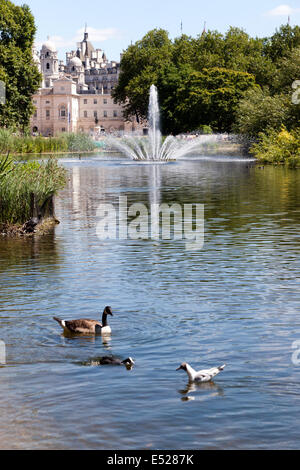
92 339
192 387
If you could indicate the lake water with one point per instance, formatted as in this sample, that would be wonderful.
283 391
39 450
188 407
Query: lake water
236 301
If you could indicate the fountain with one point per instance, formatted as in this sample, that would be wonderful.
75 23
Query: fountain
153 148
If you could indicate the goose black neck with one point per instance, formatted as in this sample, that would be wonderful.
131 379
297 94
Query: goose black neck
104 319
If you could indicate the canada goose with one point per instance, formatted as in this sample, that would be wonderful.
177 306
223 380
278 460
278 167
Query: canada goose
202 375
87 327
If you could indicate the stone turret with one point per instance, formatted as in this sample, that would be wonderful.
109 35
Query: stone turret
49 62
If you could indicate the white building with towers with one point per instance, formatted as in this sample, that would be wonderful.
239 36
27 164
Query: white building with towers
75 96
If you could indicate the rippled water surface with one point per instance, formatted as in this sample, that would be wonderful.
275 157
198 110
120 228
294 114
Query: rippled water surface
235 302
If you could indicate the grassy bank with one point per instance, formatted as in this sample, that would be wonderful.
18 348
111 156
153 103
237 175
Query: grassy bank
278 148
21 182
16 143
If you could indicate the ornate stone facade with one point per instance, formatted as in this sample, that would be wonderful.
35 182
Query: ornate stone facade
76 96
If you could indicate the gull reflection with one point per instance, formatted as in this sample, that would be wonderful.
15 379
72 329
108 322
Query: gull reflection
192 387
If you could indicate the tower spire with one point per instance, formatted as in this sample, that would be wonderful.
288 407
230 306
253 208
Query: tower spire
86 34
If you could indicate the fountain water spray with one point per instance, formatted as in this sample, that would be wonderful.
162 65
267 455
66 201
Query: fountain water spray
153 147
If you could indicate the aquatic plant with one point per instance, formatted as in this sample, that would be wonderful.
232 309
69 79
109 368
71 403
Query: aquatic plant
5 166
24 180
17 143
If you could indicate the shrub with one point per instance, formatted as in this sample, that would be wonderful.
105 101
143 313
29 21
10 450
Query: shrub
278 147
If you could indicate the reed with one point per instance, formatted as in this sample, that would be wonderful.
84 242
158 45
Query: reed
17 186
17 143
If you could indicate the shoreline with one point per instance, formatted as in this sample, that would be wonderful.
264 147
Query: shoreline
19 230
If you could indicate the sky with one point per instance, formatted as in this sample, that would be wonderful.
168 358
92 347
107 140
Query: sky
113 25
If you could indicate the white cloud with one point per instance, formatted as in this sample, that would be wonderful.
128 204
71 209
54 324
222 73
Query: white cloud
283 10
95 35
98 35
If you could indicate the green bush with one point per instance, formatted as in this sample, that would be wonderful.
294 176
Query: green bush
278 147
258 111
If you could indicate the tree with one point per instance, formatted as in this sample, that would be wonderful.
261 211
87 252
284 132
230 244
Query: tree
282 42
288 70
140 66
201 81
259 111
17 69
211 97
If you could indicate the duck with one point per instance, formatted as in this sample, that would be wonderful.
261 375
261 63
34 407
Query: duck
201 376
85 326
113 361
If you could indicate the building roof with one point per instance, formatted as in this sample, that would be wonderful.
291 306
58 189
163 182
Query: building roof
50 46
76 62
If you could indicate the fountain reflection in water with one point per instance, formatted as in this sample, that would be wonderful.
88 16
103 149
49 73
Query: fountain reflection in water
153 147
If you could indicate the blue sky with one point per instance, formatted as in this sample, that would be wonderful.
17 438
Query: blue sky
114 24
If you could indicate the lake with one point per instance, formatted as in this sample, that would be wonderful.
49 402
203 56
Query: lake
235 301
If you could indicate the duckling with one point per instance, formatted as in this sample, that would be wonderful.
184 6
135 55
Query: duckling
87 327
202 375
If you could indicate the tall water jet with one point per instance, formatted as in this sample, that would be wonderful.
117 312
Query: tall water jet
153 147
155 138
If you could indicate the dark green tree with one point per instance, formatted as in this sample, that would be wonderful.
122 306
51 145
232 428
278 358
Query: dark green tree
282 42
140 66
17 68
212 97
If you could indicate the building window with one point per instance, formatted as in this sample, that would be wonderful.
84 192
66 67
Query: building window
62 112
105 101
47 102
63 129
105 113
85 114
47 114
48 66
95 102
95 114
35 114
84 101
115 113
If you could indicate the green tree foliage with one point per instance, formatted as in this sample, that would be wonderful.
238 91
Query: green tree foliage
259 111
141 64
211 96
282 42
227 82
17 69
